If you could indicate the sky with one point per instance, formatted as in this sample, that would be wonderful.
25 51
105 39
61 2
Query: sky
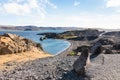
61 13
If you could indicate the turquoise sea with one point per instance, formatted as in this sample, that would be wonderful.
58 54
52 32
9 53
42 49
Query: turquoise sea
53 46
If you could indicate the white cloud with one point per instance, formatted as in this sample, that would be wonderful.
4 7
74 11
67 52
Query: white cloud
26 7
14 8
84 20
76 3
33 3
113 3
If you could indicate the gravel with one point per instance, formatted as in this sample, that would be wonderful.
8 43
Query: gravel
52 68
103 67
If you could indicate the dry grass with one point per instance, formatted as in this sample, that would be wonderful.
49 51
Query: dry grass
68 37
21 57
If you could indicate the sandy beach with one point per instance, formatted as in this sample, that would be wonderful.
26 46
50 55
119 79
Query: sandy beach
74 45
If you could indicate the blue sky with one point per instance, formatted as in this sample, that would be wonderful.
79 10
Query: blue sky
79 13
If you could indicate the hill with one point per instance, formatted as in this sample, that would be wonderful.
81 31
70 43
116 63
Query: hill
34 28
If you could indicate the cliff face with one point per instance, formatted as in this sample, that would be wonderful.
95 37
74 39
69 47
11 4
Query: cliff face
11 43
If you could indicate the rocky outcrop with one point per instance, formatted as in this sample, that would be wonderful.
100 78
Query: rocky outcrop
12 43
50 35
116 46
96 49
108 44
87 34
107 40
82 62
113 33
108 51
83 38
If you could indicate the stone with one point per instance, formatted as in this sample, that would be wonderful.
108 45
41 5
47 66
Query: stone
82 62
13 36
30 78
108 51
96 49
106 41
116 46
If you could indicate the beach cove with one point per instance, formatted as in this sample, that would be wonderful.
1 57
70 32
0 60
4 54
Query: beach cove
52 46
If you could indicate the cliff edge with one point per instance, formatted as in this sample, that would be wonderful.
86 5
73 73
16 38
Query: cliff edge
15 49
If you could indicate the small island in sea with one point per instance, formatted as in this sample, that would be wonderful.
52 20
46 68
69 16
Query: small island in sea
90 53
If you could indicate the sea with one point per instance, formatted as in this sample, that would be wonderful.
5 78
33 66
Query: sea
52 46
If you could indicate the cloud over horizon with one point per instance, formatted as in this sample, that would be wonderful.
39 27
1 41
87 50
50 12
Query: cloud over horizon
82 13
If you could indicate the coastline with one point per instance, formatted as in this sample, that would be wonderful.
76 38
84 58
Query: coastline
74 45
69 45
67 50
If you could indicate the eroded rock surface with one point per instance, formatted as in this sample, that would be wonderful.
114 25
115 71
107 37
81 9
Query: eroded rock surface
12 43
82 62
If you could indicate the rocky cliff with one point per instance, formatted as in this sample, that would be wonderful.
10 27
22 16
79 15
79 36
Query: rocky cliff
12 43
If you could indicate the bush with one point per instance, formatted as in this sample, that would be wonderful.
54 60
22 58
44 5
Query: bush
72 53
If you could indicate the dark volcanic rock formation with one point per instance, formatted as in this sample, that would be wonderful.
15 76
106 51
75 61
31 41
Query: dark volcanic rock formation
83 38
106 41
113 33
50 35
88 34
96 49
80 64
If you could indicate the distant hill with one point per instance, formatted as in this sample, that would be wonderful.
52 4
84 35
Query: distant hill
34 28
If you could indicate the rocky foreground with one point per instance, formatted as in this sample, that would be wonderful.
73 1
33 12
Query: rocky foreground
96 59
103 67
15 49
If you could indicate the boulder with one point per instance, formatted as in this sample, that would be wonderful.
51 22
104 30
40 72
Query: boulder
106 41
108 51
82 62
96 49
13 36
116 46
5 50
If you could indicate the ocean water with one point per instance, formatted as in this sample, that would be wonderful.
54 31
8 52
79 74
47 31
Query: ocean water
52 46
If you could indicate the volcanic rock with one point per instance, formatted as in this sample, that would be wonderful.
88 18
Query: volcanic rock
96 49
82 62
106 41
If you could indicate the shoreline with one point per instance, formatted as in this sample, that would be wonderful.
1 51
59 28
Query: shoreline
69 45
67 50
73 46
